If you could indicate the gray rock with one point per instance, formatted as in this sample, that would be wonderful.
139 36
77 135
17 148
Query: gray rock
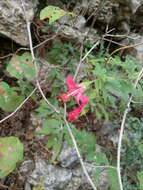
50 177
117 13
109 130
74 29
103 182
68 157
26 168
54 3
12 21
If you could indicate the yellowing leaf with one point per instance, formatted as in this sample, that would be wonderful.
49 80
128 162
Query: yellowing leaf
53 13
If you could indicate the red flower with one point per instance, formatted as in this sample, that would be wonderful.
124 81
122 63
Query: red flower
76 91
73 115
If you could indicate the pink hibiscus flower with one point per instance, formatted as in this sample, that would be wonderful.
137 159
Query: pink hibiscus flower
77 92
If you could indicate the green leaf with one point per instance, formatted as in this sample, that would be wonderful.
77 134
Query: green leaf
11 152
85 140
120 88
53 13
100 71
97 173
9 100
101 159
103 111
140 148
113 178
57 145
140 178
92 94
43 110
50 126
87 83
22 67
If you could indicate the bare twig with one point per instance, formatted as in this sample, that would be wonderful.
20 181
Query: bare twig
5 56
34 60
113 42
77 151
102 167
45 41
135 102
122 131
120 35
126 47
10 115
81 60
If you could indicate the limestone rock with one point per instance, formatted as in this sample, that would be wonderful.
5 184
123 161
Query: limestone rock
12 20
50 177
68 157
75 29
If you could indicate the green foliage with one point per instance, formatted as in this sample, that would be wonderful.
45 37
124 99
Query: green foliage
22 68
86 142
43 110
112 84
57 131
11 152
64 54
53 13
53 127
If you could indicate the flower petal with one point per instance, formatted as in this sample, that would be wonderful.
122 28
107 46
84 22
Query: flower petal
80 98
73 115
84 99
70 83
